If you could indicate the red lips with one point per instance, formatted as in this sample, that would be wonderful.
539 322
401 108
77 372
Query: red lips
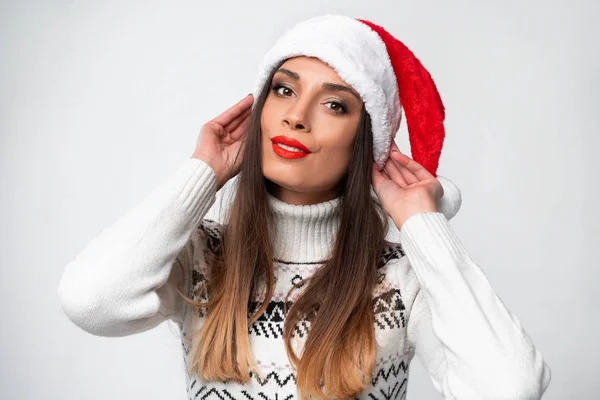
290 142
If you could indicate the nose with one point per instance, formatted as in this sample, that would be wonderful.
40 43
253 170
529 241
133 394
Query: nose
296 117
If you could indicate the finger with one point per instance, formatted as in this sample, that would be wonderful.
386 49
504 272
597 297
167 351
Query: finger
385 174
240 130
231 131
414 167
394 173
238 120
408 176
231 113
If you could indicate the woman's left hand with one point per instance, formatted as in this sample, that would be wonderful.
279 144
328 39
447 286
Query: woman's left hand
405 187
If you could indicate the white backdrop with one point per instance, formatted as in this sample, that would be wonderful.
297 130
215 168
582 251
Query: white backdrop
99 102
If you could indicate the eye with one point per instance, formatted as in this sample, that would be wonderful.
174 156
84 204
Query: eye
276 88
338 108
284 91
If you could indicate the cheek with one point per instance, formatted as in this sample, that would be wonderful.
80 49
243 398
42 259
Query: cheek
337 144
269 113
335 159
337 152
266 123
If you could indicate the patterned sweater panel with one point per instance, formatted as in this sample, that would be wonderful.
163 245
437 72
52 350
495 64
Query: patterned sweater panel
392 300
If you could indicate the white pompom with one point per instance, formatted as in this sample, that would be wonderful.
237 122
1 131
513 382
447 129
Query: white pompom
451 201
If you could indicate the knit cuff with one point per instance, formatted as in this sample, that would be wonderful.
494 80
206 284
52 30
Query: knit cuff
196 184
429 235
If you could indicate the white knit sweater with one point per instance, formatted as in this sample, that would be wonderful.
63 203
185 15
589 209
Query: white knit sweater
433 301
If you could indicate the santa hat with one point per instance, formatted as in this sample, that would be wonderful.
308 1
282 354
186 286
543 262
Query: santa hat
387 76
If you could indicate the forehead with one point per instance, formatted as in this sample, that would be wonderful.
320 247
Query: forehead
312 68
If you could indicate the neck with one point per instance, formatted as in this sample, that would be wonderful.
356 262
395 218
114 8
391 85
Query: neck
302 198
304 233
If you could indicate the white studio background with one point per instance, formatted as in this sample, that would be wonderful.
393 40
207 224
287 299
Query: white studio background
100 101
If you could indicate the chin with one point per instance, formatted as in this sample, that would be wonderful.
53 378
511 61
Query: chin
283 180
284 183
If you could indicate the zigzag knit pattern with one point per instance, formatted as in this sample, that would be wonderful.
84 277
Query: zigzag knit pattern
390 376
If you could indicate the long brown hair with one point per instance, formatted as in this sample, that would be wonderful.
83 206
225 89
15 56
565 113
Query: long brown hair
339 353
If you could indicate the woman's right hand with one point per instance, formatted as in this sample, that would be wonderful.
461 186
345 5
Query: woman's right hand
221 138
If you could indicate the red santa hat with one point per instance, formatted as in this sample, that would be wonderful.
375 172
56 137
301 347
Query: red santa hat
389 79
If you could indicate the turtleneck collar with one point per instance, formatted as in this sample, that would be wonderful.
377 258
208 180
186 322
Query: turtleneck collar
304 233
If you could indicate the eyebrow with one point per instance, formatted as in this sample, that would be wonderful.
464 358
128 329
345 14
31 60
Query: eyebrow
326 85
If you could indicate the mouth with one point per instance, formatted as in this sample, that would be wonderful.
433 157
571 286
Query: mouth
290 143
289 148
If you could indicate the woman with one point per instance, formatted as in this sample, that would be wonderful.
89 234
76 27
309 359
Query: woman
298 294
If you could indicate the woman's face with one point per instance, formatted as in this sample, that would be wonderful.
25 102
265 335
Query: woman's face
308 102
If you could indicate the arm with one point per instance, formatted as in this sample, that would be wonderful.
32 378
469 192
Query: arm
471 345
124 280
